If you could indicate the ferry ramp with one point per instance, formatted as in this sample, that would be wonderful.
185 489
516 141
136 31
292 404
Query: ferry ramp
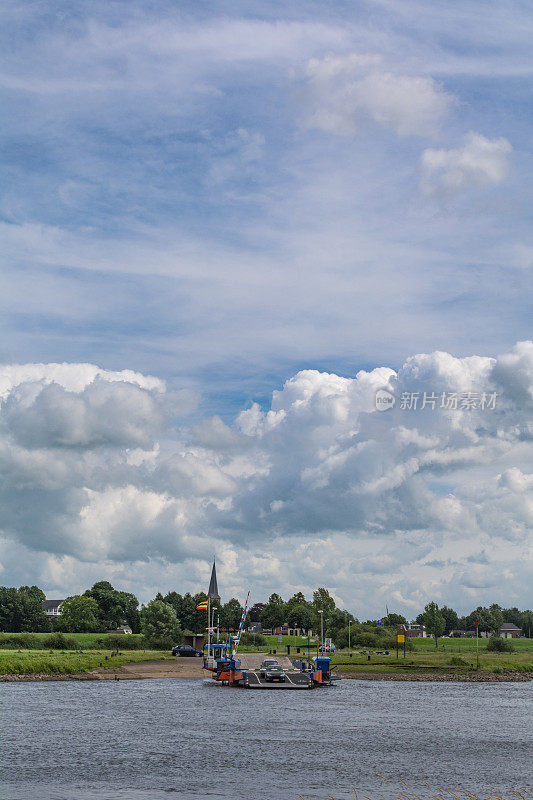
254 660
294 679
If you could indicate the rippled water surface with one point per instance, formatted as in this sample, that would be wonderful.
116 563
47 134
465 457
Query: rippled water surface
159 738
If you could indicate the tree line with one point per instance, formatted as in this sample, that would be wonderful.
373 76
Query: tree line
102 608
98 609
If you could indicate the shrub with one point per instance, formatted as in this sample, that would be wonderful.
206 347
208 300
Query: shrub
58 641
390 644
25 641
121 642
366 640
376 641
159 642
457 661
497 645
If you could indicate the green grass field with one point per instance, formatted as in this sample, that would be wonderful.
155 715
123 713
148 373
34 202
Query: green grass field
457 653
56 662
466 645
87 641
460 654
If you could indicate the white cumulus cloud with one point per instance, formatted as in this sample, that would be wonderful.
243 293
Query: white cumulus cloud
345 92
431 500
479 162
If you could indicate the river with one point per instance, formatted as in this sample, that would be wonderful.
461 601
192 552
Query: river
153 739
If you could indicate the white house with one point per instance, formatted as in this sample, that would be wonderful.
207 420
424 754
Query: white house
52 608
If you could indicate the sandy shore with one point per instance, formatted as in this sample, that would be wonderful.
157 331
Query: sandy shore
192 668
140 670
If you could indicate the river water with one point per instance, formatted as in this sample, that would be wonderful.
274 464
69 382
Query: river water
153 739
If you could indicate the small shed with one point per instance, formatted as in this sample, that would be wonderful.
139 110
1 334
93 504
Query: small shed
509 631
195 640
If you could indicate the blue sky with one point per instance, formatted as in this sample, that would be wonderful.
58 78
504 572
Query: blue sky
225 195
178 213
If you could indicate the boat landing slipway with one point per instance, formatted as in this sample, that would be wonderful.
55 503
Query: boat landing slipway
257 670
248 671
293 678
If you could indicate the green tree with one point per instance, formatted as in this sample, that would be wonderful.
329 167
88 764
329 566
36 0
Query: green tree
336 621
496 616
198 618
434 621
160 625
230 614
176 601
512 615
392 620
114 606
274 612
297 599
186 611
300 616
526 622
323 601
79 614
33 591
451 619
22 609
481 615
255 612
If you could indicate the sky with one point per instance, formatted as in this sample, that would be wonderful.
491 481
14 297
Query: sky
224 228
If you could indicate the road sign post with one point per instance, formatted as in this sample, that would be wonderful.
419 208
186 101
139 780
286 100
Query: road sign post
400 639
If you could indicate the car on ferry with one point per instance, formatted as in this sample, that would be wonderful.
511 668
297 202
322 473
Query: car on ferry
275 673
272 671
265 664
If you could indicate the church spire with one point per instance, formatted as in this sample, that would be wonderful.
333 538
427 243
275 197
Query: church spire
212 592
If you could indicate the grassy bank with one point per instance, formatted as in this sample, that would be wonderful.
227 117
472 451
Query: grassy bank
521 660
31 662
466 645
84 641
454 655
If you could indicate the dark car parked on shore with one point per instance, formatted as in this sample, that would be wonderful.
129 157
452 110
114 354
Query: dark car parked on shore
185 651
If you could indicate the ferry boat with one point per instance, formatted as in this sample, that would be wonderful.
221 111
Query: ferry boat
230 669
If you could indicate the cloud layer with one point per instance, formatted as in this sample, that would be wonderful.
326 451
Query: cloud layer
393 507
